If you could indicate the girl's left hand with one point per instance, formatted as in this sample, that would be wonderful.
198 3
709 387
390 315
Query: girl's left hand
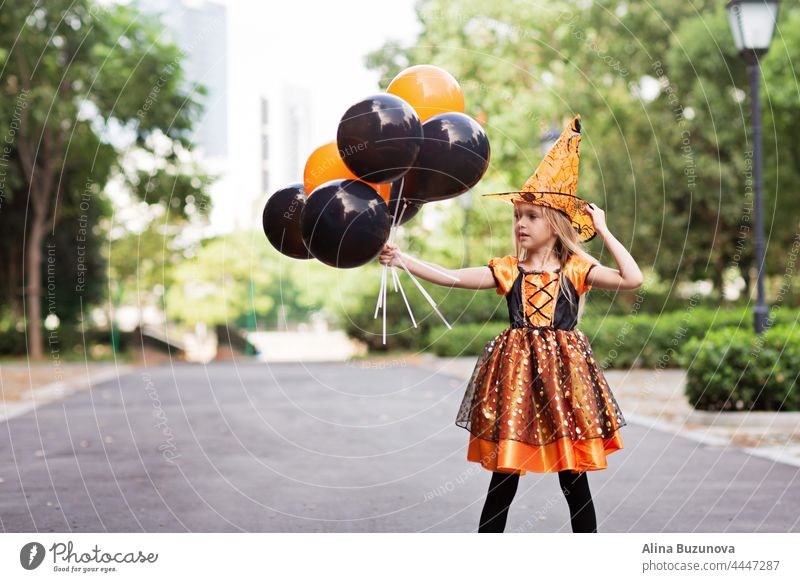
598 216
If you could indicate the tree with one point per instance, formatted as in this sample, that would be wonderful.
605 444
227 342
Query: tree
678 206
74 74
232 278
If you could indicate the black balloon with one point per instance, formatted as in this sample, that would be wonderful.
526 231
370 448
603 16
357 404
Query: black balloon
345 223
454 156
379 138
281 221
412 206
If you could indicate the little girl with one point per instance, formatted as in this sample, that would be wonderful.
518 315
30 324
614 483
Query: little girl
537 399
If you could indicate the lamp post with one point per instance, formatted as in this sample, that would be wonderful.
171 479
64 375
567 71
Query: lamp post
752 25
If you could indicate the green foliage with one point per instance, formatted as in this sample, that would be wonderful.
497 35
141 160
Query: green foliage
237 279
77 79
139 263
734 369
619 341
670 170
463 340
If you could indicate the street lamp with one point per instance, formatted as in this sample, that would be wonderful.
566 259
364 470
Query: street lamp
752 24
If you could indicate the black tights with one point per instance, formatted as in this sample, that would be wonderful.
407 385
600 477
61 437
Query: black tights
503 487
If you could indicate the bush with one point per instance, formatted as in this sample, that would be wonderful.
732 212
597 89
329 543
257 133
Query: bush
462 340
640 340
12 343
654 340
626 330
734 369
603 302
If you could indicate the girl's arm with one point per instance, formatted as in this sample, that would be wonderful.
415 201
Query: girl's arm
469 278
628 276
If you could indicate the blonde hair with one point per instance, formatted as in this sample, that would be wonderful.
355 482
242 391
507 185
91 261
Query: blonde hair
567 242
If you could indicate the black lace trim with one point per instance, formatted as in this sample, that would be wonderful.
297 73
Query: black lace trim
536 272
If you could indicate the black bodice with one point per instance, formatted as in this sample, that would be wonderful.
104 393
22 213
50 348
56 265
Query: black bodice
566 312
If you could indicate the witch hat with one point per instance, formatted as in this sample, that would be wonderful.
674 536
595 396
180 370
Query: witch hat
555 182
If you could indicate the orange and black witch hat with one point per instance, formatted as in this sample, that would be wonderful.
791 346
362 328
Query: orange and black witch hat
555 182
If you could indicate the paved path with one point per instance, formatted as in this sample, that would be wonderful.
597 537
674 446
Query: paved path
337 447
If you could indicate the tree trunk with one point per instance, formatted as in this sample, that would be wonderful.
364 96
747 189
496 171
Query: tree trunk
33 289
15 284
718 279
744 271
40 180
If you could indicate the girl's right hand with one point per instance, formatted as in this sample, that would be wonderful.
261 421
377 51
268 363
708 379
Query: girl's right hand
389 255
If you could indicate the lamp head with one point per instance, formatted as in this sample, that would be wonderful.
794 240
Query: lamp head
752 24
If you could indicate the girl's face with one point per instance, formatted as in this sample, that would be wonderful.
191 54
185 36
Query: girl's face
530 226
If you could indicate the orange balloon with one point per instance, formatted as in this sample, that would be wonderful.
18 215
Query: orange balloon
325 163
383 190
429 90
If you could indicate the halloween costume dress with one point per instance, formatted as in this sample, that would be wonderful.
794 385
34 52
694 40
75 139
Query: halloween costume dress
537 399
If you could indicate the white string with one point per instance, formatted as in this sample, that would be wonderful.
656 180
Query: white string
432 268
380 292
397 279
425 293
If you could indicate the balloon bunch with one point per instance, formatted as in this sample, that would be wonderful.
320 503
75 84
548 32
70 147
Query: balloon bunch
394 152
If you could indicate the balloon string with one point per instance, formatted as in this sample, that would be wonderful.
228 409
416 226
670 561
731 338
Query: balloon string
400 218
385 285
400 193
397 283
395 226
425 293
394 215
431 267
381 303
380 293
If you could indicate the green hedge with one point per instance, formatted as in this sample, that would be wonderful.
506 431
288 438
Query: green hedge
641 340
462 340
354 312
734 369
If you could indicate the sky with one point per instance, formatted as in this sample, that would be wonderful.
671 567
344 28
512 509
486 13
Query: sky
322 45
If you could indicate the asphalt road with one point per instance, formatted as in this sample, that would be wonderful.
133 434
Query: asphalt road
337 447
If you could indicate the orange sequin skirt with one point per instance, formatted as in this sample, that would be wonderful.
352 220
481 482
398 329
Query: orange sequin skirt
538 401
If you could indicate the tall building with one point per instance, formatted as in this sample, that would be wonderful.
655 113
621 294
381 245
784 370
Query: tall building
265 162
199 27
297 126
285 138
